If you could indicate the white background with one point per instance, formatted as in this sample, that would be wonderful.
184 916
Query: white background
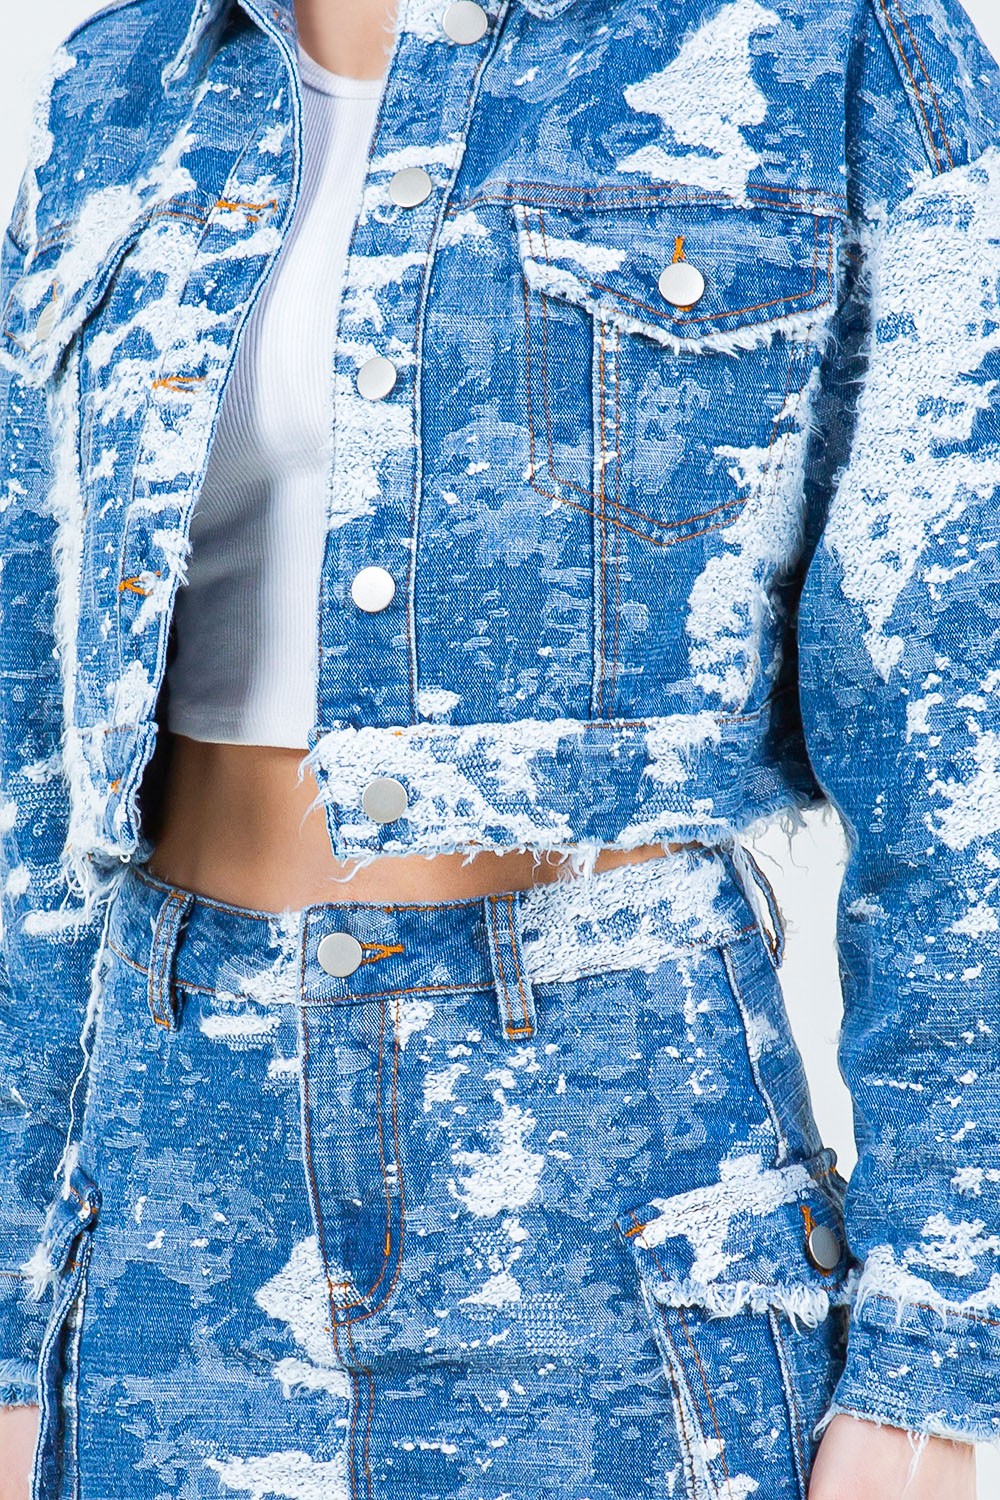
805 869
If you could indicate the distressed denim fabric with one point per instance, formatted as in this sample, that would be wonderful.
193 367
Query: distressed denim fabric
662 570
518 1208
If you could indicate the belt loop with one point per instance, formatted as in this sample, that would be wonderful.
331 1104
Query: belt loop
163 1004
515 1001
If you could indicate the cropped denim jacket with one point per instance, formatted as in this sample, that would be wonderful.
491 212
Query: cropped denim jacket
687 477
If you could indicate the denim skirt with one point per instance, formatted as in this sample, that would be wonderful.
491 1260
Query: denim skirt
530 1202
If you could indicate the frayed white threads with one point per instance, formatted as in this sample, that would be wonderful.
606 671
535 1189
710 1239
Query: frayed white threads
436 702
366 433
297 1375
671 743
637 917
439 1088
704 99
703 1215
464 228
100 228
40 143
240 1030
974 805
953 1248
935 267
422 19
557 280
477 784
299 1297
39 1273
728 601
285 1476
969 1180
802 1305
885 1276
87 800
506 1178
444 799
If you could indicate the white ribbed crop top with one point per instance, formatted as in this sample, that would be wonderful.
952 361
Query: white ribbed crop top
246 617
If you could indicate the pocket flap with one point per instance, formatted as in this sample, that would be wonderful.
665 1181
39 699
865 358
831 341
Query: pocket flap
760 1237
60 285
763 270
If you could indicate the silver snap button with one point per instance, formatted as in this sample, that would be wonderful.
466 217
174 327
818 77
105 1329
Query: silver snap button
823 1248
384 799
681 284
47 319
339 954
410 186
465 22
376 378
372 589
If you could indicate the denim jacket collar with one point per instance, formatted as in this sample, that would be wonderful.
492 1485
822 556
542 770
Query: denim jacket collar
280 15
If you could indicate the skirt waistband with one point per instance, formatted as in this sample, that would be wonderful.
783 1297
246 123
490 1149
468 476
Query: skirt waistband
631 916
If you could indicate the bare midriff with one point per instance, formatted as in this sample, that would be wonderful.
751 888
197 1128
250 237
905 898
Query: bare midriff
237 825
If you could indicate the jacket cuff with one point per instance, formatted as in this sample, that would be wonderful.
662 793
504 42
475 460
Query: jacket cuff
924 1366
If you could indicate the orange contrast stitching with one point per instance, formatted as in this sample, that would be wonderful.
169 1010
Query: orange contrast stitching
134 585
381 950
176 382
253 211
370 1312
729 312
916 86
672 525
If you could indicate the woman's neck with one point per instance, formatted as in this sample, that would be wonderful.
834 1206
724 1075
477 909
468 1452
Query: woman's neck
349 37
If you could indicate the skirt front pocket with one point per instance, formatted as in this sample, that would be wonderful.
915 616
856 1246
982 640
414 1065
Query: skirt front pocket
746 1283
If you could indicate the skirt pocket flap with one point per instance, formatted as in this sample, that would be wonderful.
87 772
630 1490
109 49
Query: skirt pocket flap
759 1238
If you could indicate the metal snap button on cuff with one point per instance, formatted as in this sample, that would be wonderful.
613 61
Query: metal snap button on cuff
376 378
372 589
681 284
410 186
339 954
385 799
823 1248
465 22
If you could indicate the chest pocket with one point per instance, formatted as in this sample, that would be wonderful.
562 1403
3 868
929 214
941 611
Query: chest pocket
57 290
666 347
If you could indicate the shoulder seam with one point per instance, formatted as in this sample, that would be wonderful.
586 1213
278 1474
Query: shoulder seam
99 15
917 81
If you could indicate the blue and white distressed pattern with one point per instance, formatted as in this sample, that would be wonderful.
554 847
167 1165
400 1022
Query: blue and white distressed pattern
600 511
364 1237
910 554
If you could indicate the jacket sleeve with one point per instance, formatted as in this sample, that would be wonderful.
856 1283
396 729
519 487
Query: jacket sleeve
899 637
49 935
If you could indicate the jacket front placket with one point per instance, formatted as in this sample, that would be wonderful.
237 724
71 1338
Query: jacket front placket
239 146
368 667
